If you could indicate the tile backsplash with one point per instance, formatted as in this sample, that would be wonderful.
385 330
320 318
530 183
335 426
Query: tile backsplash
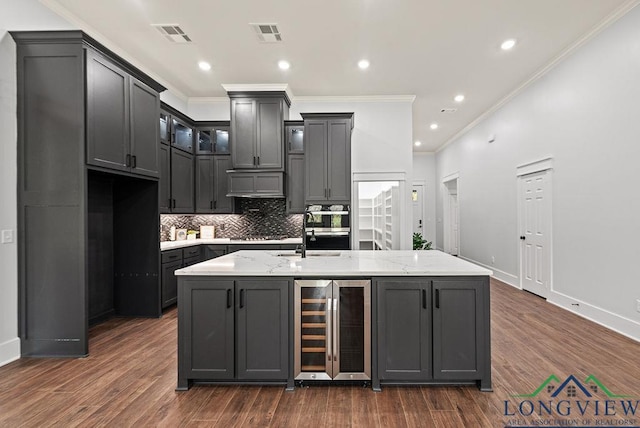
259 217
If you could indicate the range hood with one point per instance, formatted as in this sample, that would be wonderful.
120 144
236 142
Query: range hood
256 183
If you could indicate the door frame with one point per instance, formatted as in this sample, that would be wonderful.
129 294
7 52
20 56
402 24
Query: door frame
422 184
541 165
447 183
405 225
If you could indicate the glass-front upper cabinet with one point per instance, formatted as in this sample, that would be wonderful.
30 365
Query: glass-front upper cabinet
221 144
213 140
295 138
165 128
205 142
182 135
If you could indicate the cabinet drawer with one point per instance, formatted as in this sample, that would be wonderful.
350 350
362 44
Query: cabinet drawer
191 252
171 255
191 261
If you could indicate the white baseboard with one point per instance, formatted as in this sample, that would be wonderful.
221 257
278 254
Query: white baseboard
498 274
614 322
617 323
9 351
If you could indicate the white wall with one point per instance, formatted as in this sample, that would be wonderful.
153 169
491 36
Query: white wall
424 169
16 15
584 113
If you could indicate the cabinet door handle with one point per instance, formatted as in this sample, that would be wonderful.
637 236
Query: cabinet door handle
134 161
211 204
437 298
258 160
241 298
215 204
169 203
325 193
424 299
228 298
174 203
127 161
254 160
329 192
289 204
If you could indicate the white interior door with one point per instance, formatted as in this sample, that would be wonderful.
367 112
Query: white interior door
535 232
417 197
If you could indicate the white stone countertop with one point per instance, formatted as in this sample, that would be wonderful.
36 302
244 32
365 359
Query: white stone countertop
335 263
170 245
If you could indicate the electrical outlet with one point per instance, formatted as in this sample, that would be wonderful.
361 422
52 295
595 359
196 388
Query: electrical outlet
7 236
638 305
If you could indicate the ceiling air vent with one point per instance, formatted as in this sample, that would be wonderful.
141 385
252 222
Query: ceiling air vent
448 110
173 32
267 33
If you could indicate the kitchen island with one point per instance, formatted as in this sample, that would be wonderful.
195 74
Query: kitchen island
424 319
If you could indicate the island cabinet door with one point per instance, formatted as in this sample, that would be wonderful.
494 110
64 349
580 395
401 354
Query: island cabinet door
262 329
404 329
459 343
206 320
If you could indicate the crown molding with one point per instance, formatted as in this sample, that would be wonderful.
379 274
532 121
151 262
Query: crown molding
357 98
258 87
610 19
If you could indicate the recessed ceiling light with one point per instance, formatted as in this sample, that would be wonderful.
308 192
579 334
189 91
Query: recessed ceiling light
433 126
508 44
458 98
417 144
204 66
284 65
363 64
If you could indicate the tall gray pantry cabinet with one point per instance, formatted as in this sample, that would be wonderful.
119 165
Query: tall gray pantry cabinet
88 165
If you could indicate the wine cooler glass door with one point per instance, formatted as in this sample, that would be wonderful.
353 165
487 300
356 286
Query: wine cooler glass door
313 344
351 329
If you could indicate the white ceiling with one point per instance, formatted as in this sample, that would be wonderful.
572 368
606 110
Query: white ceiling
433 49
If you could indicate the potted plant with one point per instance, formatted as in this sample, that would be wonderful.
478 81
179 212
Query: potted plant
419 243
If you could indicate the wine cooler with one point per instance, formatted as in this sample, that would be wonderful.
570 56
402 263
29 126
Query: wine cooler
332 330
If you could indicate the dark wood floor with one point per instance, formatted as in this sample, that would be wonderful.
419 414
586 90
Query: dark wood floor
130 376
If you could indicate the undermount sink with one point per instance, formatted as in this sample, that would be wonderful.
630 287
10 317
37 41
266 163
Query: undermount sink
327 254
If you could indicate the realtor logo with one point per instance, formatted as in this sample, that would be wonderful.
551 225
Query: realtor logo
572 402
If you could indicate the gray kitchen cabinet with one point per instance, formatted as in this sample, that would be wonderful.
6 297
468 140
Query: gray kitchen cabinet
404 329
181 182
295 184
173 260
165 127
327 141
233 330
204 184
169 281
263 183
460 342
262 316
294 136
119 112
206 316
257 122
164 183
213 139
433 330
85 222
213 251
182 134
222 204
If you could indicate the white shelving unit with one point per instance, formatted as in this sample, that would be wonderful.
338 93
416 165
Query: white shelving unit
386 209
365 224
